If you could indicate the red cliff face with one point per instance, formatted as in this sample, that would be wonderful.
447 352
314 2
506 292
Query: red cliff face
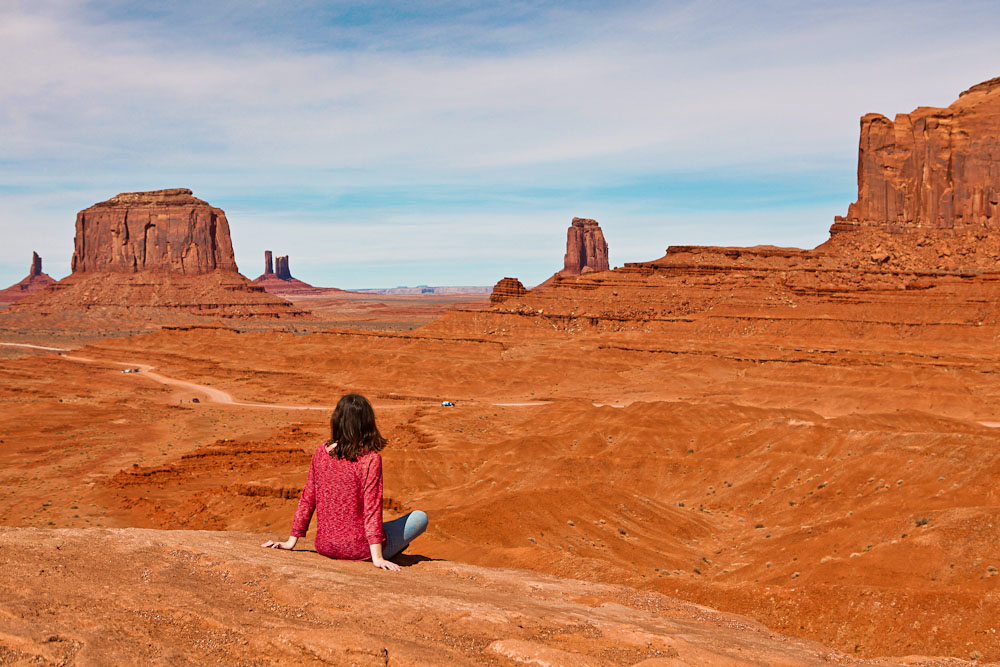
586 249
928 187
932 168
162 230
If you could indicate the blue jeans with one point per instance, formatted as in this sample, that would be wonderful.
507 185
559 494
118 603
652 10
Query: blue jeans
400 532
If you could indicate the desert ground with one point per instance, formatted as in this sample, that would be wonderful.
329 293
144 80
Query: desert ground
833 493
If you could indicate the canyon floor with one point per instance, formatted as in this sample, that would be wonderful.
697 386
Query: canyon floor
590 494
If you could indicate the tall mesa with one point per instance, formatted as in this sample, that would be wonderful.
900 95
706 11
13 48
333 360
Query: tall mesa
160 230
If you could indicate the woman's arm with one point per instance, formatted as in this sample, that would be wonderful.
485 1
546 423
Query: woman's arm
307 504
303 515
380 562
371 494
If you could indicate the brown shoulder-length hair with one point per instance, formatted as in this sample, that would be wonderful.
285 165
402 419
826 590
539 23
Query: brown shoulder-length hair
353 429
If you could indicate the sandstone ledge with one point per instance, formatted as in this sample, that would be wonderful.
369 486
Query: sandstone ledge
116 596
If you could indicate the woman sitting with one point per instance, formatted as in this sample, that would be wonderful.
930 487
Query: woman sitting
344 488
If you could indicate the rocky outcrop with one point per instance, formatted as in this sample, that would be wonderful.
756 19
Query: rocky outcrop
507 288
928 188
161 230
35 281
129 595
36 265
586 249
281 269
918 252
151 258
278 280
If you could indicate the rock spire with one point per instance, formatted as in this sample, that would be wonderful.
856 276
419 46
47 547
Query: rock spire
35 281
586 249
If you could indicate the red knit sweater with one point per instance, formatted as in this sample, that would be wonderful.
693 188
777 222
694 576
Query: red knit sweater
347 498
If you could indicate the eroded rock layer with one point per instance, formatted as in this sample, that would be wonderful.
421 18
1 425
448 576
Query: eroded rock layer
35 281
161 230
156 298
507 288
928 188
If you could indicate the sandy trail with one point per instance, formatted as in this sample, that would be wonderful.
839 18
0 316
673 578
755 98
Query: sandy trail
214 395
211 394
37 347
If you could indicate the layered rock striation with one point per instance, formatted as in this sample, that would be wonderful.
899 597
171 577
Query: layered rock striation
928 188
507 288
35 281
161 230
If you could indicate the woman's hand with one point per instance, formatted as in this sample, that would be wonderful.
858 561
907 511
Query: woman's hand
384 564
380 562
287 544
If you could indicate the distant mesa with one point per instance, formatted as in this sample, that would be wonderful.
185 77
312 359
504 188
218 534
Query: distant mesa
36 281
507 288
161 230
153 257
586 249
277 279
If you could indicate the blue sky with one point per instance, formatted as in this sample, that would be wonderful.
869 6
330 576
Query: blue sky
399 143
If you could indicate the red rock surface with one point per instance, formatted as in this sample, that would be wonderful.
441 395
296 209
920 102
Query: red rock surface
197 597
586 249
507 288
928 188
36 280
161 230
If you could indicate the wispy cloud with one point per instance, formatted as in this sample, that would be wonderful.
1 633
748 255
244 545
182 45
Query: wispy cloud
293 115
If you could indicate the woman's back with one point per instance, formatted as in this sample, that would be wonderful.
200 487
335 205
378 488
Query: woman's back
347 498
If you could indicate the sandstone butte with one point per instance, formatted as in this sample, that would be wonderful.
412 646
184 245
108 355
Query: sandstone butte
281 283
152 257
161 230
923 235
35 281
586 249
586 252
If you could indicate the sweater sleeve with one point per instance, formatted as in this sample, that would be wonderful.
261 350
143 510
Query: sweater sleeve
373 501
307 504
